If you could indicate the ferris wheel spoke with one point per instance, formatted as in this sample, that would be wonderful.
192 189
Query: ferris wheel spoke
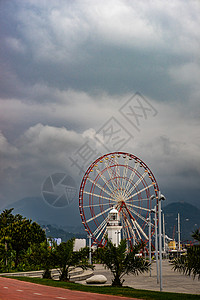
137 183
137 214
141 230
103 237
139 207
140 191
125 235
132 176
126 219
117 170
127 230
133 221
100 226
136 200
130 228
136 223
104 179
100 186
98 205
123 226
124 176
98 215
99 196
101 231
111 176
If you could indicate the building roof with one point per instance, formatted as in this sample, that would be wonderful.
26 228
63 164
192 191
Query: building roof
113 211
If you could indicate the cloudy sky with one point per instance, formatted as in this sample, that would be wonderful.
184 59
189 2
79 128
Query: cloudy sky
102 75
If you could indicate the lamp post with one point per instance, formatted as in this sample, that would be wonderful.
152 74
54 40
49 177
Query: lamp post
156 241
179 234
90 249
151 198
150 242
164 243
160 198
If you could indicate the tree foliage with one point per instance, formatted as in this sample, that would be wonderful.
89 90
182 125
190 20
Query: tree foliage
189 264
42 255
121 262
18 233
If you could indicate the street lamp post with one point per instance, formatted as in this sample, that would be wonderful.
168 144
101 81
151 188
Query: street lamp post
150 241
90 249
179 234
151 198
156 244
160 198
164 243
156 241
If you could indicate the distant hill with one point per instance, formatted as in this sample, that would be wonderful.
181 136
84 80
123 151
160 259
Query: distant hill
36 208
189 219
68 218
55 232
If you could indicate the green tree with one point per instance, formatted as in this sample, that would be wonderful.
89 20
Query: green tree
121 262
19 233
189 264
65 257
6 218
22 234
42 256
6 254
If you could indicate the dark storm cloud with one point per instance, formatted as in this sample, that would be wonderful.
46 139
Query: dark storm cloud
83 46
68 66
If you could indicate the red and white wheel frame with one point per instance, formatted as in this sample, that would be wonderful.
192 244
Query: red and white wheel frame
123 181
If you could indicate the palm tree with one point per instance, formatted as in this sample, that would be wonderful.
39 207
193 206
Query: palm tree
120 262
189 264
65 257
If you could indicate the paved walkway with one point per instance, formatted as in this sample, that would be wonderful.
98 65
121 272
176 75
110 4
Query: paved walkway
172 281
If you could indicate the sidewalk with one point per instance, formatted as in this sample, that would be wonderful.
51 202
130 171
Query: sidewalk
172 281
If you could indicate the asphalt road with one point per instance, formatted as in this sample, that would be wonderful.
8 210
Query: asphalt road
12 289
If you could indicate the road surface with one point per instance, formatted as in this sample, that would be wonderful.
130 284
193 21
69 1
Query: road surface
12 289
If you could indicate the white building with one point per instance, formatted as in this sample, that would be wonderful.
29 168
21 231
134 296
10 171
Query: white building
56 240
114 227
79 244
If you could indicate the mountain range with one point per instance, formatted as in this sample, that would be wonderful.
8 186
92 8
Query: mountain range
189 220
68 218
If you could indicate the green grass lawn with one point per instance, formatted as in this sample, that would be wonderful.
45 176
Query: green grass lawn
109 290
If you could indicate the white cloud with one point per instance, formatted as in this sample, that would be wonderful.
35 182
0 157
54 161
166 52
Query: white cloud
39 152
65 32
168 143
47 140
67 108
8 153
15 44
188 74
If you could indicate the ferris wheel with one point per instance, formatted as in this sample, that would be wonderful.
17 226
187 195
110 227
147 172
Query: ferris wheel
122 181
